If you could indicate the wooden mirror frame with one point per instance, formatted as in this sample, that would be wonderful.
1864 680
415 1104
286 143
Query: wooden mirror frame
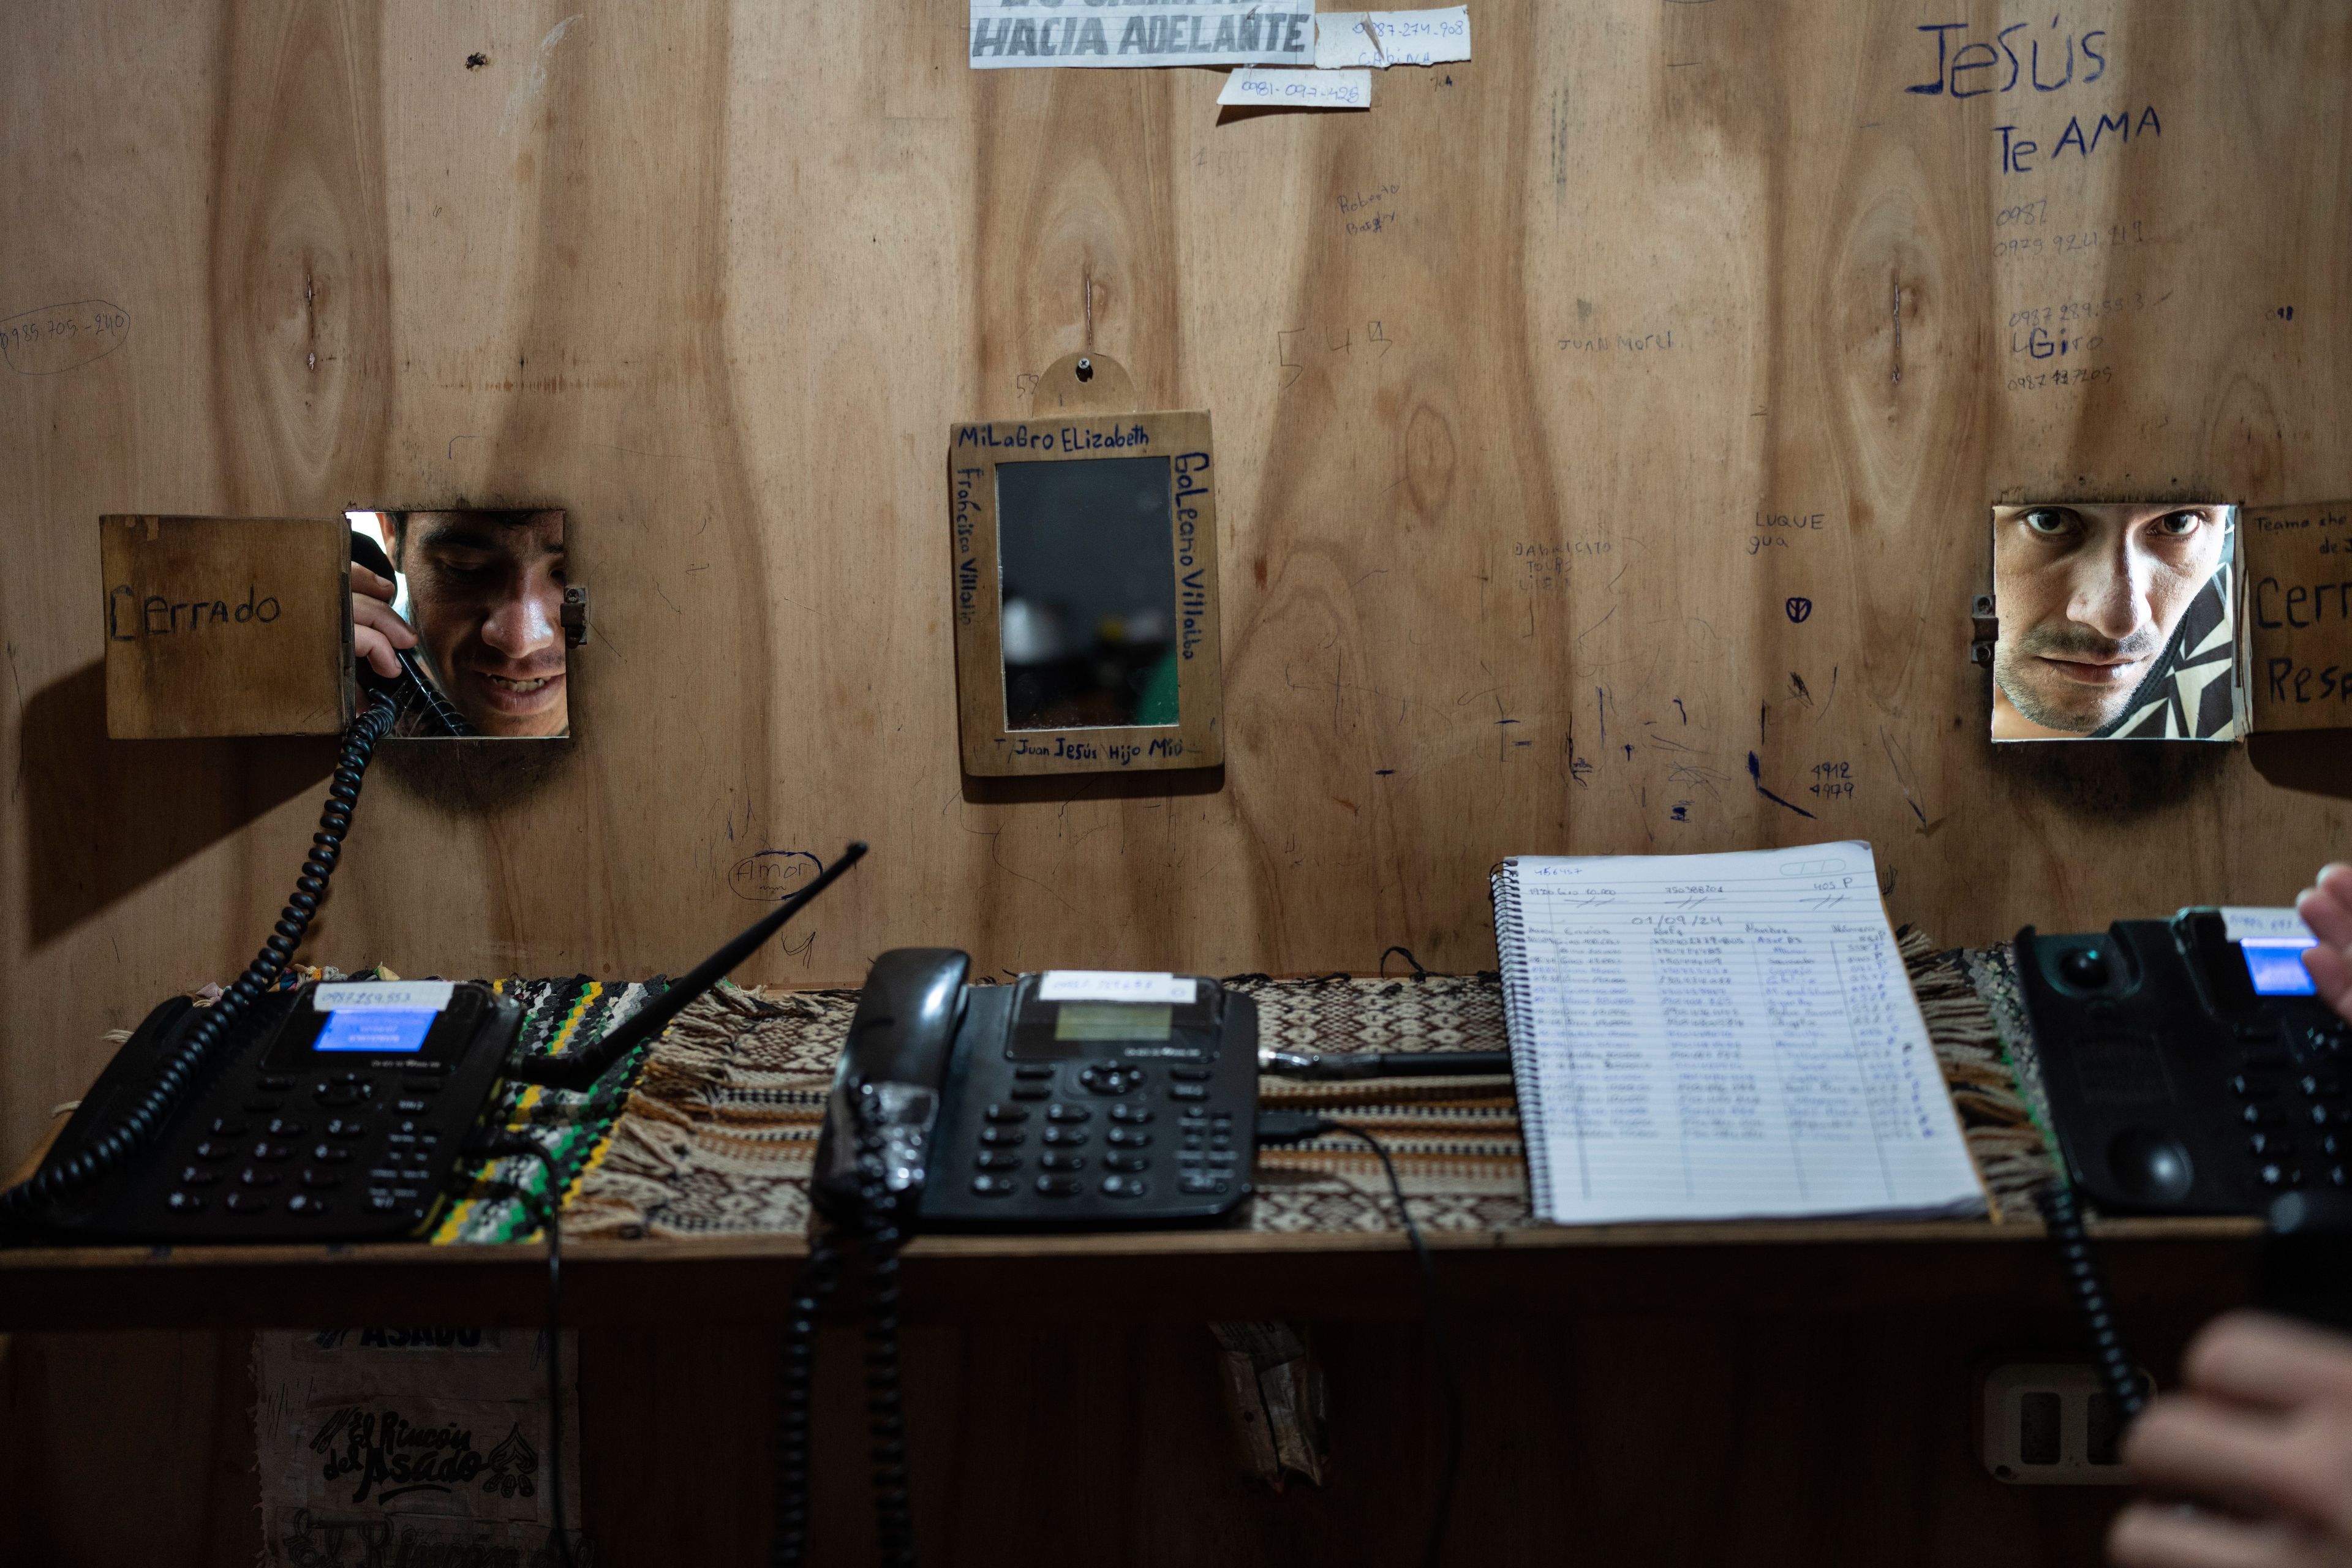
990 748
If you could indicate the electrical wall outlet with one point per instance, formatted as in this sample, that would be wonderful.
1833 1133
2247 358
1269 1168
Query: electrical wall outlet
2050 1424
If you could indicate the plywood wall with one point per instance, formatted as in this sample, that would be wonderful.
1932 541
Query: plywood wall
1504 375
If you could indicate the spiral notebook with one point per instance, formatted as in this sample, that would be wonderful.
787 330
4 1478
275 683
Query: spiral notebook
1721 1037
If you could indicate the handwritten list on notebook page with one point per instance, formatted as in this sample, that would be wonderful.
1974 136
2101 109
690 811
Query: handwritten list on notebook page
1721 1037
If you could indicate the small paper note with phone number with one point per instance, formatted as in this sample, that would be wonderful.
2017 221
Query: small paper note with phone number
1114 986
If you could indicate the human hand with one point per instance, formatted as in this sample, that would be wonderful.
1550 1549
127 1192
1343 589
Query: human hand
375 630
2326 908
2261 1436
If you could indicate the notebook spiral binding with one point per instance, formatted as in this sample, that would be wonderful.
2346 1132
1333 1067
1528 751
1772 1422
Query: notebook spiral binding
1518 1002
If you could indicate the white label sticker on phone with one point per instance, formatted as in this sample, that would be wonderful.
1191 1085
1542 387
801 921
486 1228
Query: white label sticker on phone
1115 986
329 995
2240 921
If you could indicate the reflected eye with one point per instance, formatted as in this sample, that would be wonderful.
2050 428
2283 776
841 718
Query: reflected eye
2051 521
2178 524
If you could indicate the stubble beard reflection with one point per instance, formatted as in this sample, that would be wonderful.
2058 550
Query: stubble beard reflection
2077 710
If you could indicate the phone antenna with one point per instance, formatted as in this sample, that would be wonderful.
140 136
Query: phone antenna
579 1070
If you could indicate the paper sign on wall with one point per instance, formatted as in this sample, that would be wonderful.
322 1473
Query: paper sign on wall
1023 33
1273 89
1376 40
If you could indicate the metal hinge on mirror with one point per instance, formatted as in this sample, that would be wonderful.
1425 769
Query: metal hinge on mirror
1984 630
575 615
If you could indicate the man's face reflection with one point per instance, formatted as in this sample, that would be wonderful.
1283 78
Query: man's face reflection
2088 597
486 595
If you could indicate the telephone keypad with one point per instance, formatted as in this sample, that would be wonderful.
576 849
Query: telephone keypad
245 1203
410 1107
321 1181
345 1127
228 1127
1129 1087
1002 1113
262 1107
198 1176
212 1150
306 1204
1002 1137
283 1127
183 1202
330 1153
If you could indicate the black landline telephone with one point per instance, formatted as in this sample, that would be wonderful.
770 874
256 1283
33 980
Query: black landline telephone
1043 1104
2188 1072
340 1116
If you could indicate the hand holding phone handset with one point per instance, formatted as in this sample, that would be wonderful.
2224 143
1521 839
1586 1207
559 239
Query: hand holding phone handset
380 638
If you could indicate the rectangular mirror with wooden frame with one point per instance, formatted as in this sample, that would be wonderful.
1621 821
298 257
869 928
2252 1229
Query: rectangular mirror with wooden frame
1084 551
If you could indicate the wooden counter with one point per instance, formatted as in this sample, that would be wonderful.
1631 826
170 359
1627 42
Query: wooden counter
1162 1276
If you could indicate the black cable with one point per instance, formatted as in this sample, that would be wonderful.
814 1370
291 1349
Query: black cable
1337 1065
209 1026
1297 1127
796 1371
1418 972
511 1144
2088 1285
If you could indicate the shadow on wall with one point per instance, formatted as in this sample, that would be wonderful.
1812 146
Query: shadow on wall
104 817
2317 762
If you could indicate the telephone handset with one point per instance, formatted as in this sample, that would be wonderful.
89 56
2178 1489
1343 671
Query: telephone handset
337 1112
1042 1104
2190 1071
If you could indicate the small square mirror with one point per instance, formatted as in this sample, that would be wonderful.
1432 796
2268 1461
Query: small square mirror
461 614
2118 622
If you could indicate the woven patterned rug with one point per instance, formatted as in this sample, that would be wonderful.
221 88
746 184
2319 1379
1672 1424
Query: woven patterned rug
719 1135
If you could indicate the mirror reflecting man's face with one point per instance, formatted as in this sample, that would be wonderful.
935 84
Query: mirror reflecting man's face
2088 597
486 596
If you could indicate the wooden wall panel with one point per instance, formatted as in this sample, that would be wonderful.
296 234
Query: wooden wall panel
1504 372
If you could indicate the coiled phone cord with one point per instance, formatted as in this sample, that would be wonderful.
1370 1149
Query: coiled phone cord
29 1199
795 1375
880 1239
894 1517
2088 1285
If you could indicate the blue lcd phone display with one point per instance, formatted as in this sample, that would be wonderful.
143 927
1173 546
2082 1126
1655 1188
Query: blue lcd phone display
2274 963
378 1031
